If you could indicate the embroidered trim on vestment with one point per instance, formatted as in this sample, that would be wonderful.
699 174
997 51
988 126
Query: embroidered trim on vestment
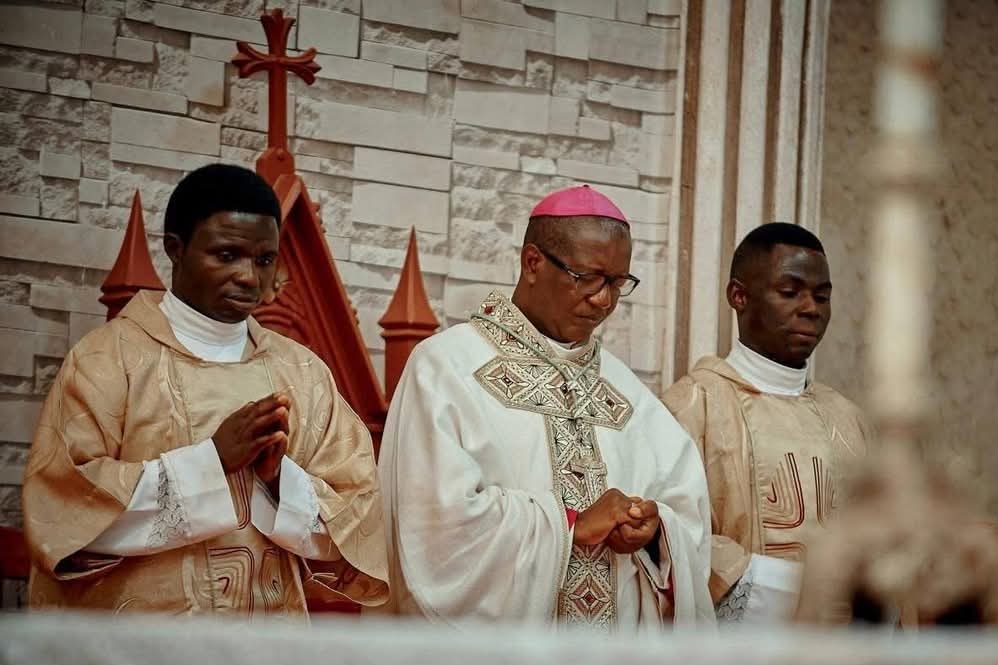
574 399
171 524
732 607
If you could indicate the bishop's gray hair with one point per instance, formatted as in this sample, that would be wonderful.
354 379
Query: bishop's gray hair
554 234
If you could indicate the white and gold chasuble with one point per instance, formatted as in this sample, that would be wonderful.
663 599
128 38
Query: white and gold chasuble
492 434
574 400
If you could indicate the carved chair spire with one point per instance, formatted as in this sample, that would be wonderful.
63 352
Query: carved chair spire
133 270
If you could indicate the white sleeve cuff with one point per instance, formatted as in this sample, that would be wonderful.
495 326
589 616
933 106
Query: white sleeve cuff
196 476
766 593
775 574
657 573
294 523
181 498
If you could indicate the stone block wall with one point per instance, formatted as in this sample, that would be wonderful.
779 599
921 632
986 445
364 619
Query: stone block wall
963 231
453 116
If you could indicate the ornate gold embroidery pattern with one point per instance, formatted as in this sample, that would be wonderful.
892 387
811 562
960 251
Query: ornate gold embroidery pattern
519 379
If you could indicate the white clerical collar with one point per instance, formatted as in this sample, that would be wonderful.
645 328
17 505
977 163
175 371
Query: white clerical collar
767 375
190 323
562 349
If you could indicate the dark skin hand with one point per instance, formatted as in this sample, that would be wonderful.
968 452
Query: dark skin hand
624 523
256 433
640 530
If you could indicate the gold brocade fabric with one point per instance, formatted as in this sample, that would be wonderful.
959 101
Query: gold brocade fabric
524 376
774 464
799 468
129 392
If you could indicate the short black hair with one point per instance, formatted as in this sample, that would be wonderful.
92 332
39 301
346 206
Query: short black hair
217 188
554 234
762 239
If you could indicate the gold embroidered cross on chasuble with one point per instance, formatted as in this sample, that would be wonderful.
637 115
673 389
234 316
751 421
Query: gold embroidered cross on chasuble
575 400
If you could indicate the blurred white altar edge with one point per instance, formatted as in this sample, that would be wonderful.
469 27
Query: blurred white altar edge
65 639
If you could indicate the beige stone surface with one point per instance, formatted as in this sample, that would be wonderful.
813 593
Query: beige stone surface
80 324
653 101
598 8
20 348
436 15
538 165
505 13
665 7
658 124
962 233
401 56
401 168
169 132
337 33
636 45
498 45
15 78
98 35
57 165
58 243
355 71
15 204
594 128
136 50
402 207
645 323
121 95
657 156
18 418
211 24
563 117
343 123
205 81
213 49
23 317
48 28
167 159
93 191
493 158
501 107
410 80
571 38
83 300
588 172
69 87
632 11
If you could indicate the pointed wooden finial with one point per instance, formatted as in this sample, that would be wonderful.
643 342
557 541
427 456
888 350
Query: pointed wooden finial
409 318
133 270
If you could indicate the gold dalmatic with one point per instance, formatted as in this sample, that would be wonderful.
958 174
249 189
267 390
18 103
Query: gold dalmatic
574 401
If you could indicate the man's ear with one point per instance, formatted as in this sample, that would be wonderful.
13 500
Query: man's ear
530 262
737 295
174 247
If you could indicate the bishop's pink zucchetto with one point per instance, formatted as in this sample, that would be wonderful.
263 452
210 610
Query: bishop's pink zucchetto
582 201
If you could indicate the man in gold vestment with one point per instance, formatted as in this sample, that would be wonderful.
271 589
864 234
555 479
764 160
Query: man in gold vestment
775 444
189 461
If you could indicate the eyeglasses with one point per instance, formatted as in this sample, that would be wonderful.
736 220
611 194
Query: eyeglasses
591 283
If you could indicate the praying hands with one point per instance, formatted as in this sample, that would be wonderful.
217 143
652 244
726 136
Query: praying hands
624 523
257 434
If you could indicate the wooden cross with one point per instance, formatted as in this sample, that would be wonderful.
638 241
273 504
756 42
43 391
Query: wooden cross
276 160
